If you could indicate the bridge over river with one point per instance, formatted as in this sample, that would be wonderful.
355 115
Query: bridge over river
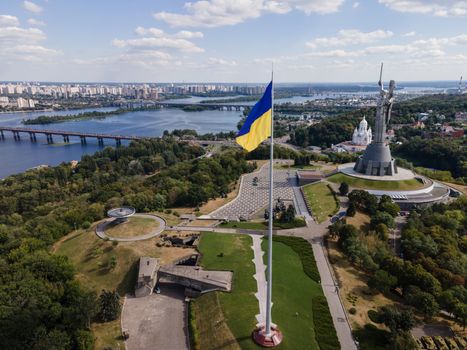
65 134
84 135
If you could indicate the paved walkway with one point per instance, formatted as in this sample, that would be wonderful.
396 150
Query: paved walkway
101 227
260 277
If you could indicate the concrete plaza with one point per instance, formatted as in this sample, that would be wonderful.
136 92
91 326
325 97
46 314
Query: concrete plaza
252 198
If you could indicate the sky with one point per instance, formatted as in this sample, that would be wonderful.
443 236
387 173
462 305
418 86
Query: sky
232 40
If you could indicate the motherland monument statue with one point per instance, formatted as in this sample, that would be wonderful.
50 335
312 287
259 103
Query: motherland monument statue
377 159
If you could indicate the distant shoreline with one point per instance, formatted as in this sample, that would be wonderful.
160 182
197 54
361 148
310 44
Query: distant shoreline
34 111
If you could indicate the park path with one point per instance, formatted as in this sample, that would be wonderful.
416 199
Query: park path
260 277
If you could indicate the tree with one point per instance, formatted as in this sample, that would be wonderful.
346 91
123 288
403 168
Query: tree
363 201
381 217
351 210
397 320
403 341
84 340
382 231
387 205
109 306
425 302
344 188
288 215
382 281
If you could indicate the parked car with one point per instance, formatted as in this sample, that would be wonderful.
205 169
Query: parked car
440 343
451 343
428 342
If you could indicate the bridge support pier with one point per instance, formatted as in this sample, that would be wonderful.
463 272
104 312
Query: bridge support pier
100 141
66 138
1 135
118 142
32 136
16 136
83 140
50 140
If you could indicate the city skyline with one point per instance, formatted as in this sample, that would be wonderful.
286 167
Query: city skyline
232 41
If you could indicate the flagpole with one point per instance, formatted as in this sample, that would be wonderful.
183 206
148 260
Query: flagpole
267 334
271 216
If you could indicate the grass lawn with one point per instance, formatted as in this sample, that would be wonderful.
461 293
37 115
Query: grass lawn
107 335
135 226
355 182
293 293
321 200
238 308
210 335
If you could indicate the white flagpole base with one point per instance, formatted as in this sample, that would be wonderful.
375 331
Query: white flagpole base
267 340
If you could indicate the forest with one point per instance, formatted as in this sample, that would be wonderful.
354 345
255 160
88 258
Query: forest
431 275
42 306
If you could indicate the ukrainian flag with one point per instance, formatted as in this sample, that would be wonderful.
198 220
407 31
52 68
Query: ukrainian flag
257 126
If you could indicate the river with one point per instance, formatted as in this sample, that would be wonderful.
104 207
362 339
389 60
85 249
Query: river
17 156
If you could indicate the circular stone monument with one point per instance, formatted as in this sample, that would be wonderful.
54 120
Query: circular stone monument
121 214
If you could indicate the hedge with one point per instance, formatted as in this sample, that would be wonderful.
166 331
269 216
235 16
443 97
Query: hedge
324 328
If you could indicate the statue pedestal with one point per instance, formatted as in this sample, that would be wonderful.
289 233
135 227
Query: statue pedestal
267 340
376 161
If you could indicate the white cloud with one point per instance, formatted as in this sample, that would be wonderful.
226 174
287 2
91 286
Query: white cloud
355 5
220 62
151 38
8 21
216 13
186 34
441 8
17 34
143 58
33 50
159 33
169 43
409 34
156 32
350 37
36 22
32 7
22 44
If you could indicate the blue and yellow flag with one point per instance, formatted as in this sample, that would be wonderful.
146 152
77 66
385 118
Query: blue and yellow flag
257 126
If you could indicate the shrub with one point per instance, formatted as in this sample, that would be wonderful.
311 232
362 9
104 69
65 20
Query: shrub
374 316
85 225
84 340
344 188
352 311
324 329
